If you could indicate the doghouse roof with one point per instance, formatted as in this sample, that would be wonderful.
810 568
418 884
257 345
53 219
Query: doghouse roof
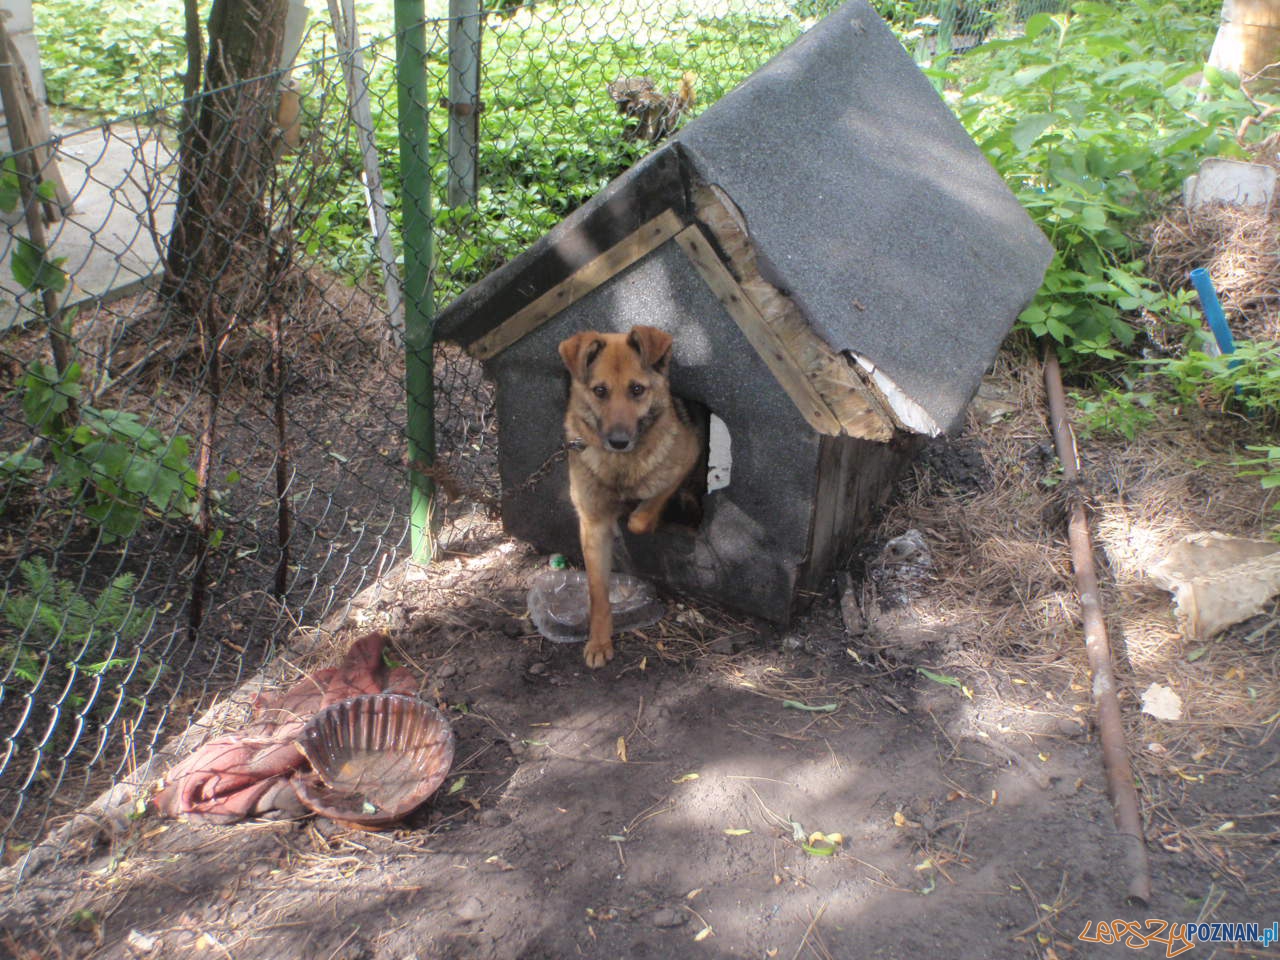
842 216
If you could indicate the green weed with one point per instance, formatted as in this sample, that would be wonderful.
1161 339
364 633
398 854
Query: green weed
120 468
59 629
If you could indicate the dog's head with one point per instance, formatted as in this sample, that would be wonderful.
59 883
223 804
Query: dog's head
619 382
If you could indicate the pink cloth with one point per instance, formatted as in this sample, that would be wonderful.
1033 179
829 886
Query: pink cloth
250 773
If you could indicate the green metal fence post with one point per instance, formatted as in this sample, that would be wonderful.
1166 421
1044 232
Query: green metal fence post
415 193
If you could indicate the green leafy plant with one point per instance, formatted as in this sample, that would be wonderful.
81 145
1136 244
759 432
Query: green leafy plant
1091 128
30 264
1124 411
122 468
111 57
1246 381
1265 467
60 628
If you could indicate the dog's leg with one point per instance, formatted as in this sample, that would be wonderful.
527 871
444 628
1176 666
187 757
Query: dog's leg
644 518
597 555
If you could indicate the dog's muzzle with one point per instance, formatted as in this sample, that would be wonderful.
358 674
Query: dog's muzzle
618 441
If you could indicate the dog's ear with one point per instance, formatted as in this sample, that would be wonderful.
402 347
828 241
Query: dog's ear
653 345
579 350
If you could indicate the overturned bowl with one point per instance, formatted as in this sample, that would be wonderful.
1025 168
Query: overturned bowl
375 758
561 609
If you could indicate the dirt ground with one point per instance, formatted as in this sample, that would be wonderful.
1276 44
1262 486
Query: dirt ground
661 807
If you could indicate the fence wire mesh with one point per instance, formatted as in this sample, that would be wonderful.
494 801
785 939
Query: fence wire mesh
203 413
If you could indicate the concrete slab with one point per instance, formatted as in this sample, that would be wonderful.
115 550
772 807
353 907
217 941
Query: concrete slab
123 183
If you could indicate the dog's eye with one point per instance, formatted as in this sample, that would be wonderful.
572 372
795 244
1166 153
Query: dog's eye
600 390
637 389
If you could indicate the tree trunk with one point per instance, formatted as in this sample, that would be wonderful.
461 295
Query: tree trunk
217 247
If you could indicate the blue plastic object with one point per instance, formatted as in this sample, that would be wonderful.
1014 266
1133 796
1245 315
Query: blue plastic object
1212 309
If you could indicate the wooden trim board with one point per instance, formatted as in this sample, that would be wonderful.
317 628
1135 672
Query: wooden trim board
852 399
578 284
756 329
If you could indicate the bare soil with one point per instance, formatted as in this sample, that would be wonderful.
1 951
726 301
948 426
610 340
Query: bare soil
660 807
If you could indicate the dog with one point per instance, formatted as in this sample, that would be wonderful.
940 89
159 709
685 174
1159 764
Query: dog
630 446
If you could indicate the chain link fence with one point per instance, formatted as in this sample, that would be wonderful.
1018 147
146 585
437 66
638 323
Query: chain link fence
203 412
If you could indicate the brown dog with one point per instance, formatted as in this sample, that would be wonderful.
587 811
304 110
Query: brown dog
630 442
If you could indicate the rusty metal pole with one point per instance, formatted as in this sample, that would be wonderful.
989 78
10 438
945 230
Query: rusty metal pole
1115 754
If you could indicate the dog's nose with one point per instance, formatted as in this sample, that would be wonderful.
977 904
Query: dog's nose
619 441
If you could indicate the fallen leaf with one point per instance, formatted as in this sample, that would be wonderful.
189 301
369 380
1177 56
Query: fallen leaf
942 678
797 705
685 778
622 749
822 844
457 785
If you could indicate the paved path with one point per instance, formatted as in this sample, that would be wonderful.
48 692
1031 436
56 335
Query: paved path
115 175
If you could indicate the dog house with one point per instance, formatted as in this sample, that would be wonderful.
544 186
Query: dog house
838 264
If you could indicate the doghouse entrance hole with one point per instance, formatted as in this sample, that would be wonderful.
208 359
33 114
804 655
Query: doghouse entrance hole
685 508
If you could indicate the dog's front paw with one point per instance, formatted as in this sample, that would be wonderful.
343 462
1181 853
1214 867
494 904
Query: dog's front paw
598 652
642 522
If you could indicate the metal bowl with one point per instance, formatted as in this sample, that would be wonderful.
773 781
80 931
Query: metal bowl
375 758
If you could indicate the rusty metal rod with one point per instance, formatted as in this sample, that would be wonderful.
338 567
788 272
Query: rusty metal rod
1115 754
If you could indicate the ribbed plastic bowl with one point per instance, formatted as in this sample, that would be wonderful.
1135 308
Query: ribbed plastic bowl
376 758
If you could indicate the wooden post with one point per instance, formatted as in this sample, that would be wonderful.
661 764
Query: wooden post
29 138
465 22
